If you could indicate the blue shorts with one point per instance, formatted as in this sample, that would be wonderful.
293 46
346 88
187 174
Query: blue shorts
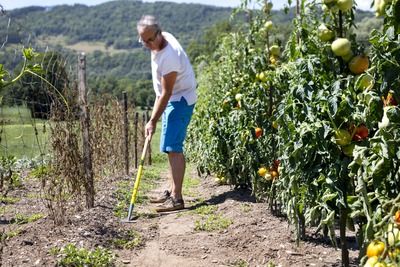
175 120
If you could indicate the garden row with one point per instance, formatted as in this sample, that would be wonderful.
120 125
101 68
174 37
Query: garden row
313 125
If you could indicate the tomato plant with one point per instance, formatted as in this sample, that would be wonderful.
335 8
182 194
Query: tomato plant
324 106
231 125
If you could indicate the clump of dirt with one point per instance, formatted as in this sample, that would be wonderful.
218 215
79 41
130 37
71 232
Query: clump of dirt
220 226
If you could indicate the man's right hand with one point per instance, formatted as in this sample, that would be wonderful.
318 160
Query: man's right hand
150 128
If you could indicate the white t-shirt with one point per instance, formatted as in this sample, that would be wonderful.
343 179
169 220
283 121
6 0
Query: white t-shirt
173 58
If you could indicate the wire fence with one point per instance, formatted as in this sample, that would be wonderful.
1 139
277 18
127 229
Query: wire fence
54 121
51 134
24 135
29 108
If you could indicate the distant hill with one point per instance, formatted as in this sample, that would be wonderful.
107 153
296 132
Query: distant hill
107 33
113 23
109 29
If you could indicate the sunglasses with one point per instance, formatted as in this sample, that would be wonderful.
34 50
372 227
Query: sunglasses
150 40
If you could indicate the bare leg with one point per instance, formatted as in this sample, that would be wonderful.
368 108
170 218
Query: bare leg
177 165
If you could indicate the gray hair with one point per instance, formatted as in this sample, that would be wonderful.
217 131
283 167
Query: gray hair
148 22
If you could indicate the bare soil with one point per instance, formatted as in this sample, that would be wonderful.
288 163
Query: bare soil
255 237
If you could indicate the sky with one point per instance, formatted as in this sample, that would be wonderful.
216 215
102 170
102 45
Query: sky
11 4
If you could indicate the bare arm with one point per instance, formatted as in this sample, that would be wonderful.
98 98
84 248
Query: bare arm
167 85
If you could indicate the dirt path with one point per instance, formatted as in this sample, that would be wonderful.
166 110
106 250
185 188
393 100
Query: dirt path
219 227
254 237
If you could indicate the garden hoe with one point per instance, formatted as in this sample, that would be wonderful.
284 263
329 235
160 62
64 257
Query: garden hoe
137 181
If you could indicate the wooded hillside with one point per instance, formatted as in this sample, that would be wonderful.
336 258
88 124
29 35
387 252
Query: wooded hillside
107 34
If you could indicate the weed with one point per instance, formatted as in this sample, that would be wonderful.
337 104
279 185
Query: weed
40 172
22 219
200 201
9 178
147 183
3 210
122 194
241 263
188 184
130 241
213 222
9 200
73 256
159 158
54 251
205 210
12 234
245 207
33 196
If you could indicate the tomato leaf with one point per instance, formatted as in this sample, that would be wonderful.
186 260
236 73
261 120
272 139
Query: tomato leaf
328 196
329 218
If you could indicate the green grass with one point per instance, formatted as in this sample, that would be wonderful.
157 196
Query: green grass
149 181
3 210
20 140
74 256
18 136
9 200
22 219
205 210
131 240
241 263
189 184
15 115
245 207
212 222
18 133
11 234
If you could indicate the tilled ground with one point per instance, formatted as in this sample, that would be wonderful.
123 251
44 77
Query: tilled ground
255 237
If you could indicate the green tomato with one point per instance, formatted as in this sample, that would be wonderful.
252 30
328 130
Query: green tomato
344 5
365 82
262 76
341 47
348 150
342 137
238 97
268 25
324 33
348 57
380 6
275 50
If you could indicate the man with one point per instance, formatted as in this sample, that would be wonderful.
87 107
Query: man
175 87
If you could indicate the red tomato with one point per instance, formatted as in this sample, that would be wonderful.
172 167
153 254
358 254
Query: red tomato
258 132
361 133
